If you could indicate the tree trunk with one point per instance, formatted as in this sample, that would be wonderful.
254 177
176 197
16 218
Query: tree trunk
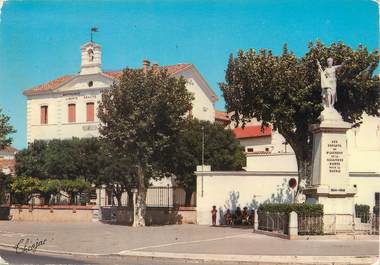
304 175
130 198
188 195
140 206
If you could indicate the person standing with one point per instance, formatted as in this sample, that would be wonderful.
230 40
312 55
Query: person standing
214 211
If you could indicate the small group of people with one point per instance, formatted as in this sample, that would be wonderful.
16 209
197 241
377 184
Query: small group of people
239 217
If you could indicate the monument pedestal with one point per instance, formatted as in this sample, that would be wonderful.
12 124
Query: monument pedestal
330 184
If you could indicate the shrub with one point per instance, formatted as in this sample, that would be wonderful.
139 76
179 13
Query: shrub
301 209
362 212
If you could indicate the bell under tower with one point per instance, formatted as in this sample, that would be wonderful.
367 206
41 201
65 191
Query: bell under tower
91 62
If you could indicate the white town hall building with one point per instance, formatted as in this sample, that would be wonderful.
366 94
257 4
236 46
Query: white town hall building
66 107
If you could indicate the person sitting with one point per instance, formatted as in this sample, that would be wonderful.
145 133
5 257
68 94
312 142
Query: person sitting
245 216
228 217
238 216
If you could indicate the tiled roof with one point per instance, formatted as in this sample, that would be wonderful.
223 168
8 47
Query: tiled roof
252 131
221 116
8 150
52 85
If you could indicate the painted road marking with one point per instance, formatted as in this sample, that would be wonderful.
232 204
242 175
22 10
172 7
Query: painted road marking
2 261
182 243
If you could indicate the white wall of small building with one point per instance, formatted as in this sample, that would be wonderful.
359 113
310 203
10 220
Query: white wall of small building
228 190
367 185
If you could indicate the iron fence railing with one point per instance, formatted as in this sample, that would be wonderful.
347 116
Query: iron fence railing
309 224
167 196
160 197
274 222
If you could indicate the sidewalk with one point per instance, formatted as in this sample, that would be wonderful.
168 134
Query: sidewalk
185 241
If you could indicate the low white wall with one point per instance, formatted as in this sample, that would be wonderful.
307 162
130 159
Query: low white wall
232 189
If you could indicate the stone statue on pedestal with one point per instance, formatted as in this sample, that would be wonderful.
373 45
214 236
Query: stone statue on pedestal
328 83
330 183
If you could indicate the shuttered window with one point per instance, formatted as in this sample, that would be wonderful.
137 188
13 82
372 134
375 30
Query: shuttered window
90 111
71 113
44 114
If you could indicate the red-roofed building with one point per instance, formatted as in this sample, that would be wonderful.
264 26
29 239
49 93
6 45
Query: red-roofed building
222 118
253 131
7 160
66 106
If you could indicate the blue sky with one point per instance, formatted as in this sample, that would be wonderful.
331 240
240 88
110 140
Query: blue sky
39 40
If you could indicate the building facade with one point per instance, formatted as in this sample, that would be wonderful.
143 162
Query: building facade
7 160
66 107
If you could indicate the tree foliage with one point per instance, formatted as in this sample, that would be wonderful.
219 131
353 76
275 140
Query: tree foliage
5 181
5 131
284 90
61 159
222 152
141 115
23 188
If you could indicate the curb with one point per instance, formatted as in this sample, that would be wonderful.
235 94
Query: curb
256 259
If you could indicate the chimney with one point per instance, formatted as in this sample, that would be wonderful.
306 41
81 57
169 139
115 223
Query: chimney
155 66
146 65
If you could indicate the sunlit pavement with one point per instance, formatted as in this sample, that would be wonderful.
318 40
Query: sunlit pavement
97 238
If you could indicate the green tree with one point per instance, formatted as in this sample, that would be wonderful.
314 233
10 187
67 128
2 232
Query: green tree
74 187
5 130
23 189
117 173
31 161
88 158
222 151
5 181
285 91
61 159
141 116
49 187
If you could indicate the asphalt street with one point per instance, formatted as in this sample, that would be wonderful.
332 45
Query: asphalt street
11 257
96 238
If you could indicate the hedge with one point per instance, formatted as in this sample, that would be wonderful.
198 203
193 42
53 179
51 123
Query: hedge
302 209
362 212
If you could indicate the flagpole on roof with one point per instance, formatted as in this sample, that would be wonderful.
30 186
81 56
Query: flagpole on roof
93 29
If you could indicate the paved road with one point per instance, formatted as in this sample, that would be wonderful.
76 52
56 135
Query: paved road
111 239
12 258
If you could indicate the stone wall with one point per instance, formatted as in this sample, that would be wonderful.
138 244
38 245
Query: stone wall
64 214
157 216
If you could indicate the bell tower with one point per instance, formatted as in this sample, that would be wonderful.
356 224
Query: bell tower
91 62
